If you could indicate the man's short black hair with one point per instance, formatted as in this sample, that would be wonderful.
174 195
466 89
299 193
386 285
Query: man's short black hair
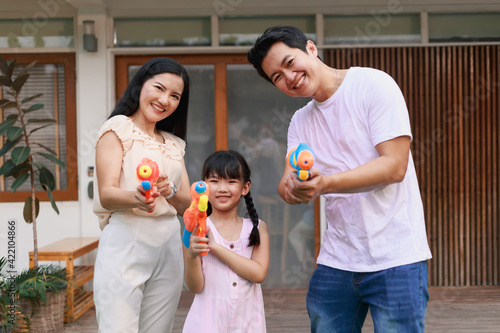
291 36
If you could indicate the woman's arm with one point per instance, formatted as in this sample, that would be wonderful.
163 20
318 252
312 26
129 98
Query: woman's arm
254 269
182 199
109 157
193 270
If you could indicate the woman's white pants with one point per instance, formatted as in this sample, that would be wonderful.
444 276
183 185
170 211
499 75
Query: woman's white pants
138 274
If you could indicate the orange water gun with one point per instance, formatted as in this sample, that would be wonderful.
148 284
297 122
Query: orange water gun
147 174
301 159
196 214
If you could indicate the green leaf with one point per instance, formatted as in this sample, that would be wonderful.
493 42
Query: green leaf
40 287
28 99
38 165
47 178
38 128
4 67
19 82
9 105
20 154
10 70
6 125
45 147
5 81
46 120
6 167
12 116
10 169
51 198
18 182
19 170
3 101
34 107
26 68
54 159
27 211
7 146
14 132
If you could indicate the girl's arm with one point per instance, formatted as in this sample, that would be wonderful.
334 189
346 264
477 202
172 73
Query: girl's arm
254 269
109 157
193 271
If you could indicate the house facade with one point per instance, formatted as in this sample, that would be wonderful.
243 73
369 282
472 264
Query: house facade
88 50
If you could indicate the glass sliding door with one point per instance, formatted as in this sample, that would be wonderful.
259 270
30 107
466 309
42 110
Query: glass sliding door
258 119
200 141
201 119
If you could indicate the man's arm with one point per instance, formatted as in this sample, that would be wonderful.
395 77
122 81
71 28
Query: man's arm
390 167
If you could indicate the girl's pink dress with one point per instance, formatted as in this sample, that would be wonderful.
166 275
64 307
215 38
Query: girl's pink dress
228 302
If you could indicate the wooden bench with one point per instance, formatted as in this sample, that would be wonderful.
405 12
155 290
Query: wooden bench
68 249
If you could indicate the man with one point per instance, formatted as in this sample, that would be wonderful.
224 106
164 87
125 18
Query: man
374 251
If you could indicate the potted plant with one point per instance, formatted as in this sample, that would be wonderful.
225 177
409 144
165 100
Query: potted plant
33 300
33 290
17 128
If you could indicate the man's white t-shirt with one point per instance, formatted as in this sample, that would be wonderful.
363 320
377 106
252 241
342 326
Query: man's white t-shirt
378 229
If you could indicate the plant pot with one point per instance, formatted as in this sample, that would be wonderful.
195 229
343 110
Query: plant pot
47 317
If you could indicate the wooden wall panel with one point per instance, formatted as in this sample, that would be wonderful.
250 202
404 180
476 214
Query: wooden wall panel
452 94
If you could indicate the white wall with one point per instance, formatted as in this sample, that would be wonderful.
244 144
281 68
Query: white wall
51 227
92 111
76 218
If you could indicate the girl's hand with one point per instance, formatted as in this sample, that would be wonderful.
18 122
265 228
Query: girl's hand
198 245
147 205
211 242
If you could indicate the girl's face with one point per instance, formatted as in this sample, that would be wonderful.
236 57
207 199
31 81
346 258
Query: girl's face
160 96
225 193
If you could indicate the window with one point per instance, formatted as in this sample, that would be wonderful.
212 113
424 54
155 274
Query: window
158 32
246 30
54 76
378 28
468 27
49 33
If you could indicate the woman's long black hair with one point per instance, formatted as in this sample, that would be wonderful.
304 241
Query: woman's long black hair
230 164
176 123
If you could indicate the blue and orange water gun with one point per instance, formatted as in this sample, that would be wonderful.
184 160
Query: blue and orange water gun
301 159
196 214
147 174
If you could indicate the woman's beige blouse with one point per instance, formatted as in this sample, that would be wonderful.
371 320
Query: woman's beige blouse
137 145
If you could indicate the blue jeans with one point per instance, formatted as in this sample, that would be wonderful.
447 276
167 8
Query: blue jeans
338 301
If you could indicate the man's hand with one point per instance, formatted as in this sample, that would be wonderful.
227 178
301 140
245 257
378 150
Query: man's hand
297 191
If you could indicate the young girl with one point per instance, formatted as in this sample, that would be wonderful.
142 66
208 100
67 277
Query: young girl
227 280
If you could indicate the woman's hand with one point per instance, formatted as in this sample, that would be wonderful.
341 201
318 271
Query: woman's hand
147 205
163 186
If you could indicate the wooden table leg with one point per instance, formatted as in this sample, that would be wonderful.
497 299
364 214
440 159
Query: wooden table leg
69 290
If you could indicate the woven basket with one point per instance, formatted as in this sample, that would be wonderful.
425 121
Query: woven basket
47 317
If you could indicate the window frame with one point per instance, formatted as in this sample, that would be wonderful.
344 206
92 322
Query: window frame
68 61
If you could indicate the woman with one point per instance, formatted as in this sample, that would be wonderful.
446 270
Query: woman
139 266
